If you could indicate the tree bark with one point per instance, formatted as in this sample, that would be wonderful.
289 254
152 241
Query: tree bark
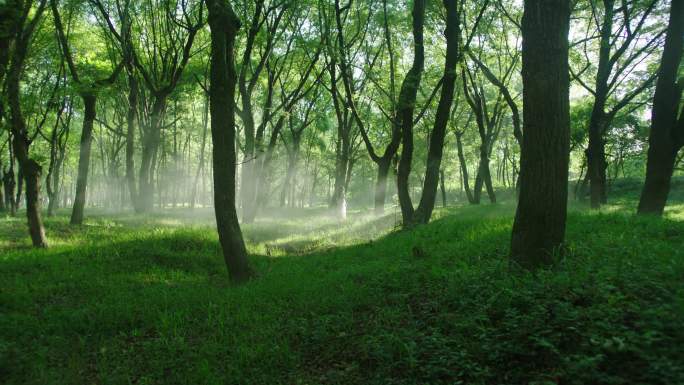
131 127
29 168
89 101
464 168
3 207
151 141
539 226
405 108
224 26
667 130
442 188
596 153
435 150
381 185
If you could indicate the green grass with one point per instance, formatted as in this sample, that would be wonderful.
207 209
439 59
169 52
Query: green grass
126 300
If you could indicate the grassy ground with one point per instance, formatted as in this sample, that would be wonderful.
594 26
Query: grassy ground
126 300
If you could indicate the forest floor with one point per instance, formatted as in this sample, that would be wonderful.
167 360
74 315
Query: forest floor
126 300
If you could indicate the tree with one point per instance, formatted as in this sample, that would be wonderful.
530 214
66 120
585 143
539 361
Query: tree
21 33
87 90
224 26
667 129
405 108
488 127
539 226
452 33
170 36
618 56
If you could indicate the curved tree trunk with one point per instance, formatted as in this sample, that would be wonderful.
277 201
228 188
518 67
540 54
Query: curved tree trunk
224 26
404 114
29 168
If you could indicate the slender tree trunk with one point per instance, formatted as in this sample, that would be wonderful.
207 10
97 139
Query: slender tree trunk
442 188
89 101
224 26
29 168
53 197
487 178
20 187
667 130
464 169
539 226
200 166
3 207
131 127
405 108
10 185
596 152
151 142
434 156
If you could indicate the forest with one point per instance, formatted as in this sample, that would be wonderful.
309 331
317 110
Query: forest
341 192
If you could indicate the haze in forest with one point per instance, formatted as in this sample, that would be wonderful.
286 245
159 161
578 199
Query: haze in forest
341 191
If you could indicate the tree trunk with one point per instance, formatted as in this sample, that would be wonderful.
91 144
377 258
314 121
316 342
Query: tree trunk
224 26
539 226
29 168
381 185
464 169
151 141
434 156
200 166
10 184
32 174
442 188
667 131
405 108
131 127
89 101
3 207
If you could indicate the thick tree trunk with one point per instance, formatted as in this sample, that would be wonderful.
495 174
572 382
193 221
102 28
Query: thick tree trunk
89 101
224 27
539 226
667 130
